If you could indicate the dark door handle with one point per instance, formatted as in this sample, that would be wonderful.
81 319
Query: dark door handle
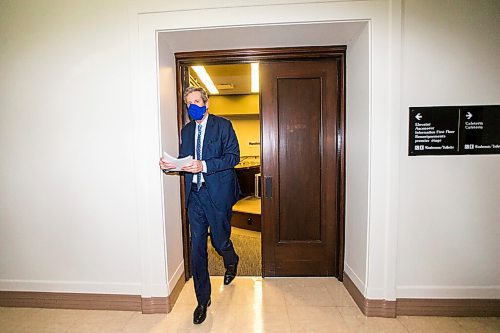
269 186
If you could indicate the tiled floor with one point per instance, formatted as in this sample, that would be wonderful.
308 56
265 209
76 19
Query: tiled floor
254 305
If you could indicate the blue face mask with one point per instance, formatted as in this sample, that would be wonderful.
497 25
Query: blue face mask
196 112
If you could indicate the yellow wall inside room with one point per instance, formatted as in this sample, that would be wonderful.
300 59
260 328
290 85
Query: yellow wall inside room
247 130
234 104
243 112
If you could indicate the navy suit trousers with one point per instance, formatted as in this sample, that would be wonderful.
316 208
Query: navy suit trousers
203 214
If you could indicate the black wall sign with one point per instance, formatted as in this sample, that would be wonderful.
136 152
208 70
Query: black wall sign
454 130
480 133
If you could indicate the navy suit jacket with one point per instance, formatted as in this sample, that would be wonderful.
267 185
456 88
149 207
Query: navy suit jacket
221 153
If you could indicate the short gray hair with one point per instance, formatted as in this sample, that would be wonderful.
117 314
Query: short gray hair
191 89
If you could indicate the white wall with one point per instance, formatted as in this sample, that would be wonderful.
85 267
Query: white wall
67 197
449 231
357 161
81 206
74 63
170 144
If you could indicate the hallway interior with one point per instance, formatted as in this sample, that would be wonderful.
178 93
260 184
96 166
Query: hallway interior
249 304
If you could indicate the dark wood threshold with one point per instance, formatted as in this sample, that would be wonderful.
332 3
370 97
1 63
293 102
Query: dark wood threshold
422 306
84 301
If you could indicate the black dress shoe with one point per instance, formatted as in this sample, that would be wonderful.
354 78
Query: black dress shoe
231 272
200 313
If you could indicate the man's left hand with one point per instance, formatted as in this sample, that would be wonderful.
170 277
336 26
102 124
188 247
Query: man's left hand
195 166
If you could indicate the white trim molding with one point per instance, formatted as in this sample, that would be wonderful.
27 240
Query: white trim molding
469 292
383 106
71 286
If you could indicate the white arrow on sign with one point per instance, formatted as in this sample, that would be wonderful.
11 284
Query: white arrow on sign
418 116
468 115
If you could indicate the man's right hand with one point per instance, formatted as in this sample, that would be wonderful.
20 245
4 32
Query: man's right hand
165 165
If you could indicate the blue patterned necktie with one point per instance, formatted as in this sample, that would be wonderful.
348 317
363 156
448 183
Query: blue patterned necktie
198 156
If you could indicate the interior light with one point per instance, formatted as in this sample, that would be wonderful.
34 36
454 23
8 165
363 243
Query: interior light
255 77
205 78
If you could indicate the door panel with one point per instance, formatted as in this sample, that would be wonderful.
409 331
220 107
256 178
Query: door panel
299 121
299 109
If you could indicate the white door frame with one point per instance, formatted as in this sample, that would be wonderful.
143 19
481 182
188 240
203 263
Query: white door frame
155 195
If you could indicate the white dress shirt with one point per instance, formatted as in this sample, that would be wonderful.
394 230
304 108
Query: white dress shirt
203 127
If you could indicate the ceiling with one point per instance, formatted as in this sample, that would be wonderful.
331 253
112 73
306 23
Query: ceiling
229 79
282 35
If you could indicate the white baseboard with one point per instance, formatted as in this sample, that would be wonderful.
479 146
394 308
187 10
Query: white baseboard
355 279
90 287
446 292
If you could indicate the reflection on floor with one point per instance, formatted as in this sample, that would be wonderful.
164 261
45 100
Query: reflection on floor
247 305
247 246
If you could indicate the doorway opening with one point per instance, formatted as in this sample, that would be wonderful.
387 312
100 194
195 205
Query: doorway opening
234 95
292 244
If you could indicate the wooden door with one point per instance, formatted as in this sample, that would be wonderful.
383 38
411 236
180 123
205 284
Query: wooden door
300 167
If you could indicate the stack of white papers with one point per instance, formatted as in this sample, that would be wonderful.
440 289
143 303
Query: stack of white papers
179 162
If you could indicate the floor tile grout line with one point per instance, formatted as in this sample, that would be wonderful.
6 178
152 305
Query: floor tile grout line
127 321
332 296
287 314
465 328
71 325
402 324
343 318
75 322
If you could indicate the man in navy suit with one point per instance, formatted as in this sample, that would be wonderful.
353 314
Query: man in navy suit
211 191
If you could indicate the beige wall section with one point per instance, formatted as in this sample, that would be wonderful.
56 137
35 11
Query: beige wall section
75 216
68 217
449 213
